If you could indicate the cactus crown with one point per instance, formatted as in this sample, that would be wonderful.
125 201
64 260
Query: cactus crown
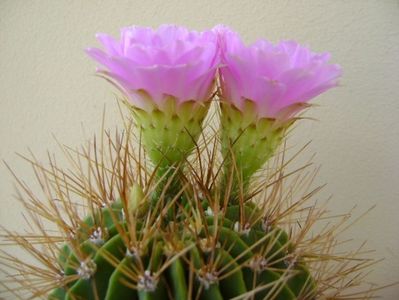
196 240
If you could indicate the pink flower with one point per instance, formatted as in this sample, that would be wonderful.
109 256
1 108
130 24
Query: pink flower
168 61
274 77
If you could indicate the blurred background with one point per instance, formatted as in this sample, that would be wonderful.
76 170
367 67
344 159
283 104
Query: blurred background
47 88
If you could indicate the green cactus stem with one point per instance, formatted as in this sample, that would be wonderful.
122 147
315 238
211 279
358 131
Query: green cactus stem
222 257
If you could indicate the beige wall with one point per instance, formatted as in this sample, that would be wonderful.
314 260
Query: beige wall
47 87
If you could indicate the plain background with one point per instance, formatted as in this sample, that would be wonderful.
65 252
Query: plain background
47 87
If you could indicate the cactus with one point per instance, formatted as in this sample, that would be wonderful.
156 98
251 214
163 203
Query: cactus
172 210
220 256
114 242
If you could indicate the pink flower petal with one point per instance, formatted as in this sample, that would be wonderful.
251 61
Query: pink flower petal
272 76
169 60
